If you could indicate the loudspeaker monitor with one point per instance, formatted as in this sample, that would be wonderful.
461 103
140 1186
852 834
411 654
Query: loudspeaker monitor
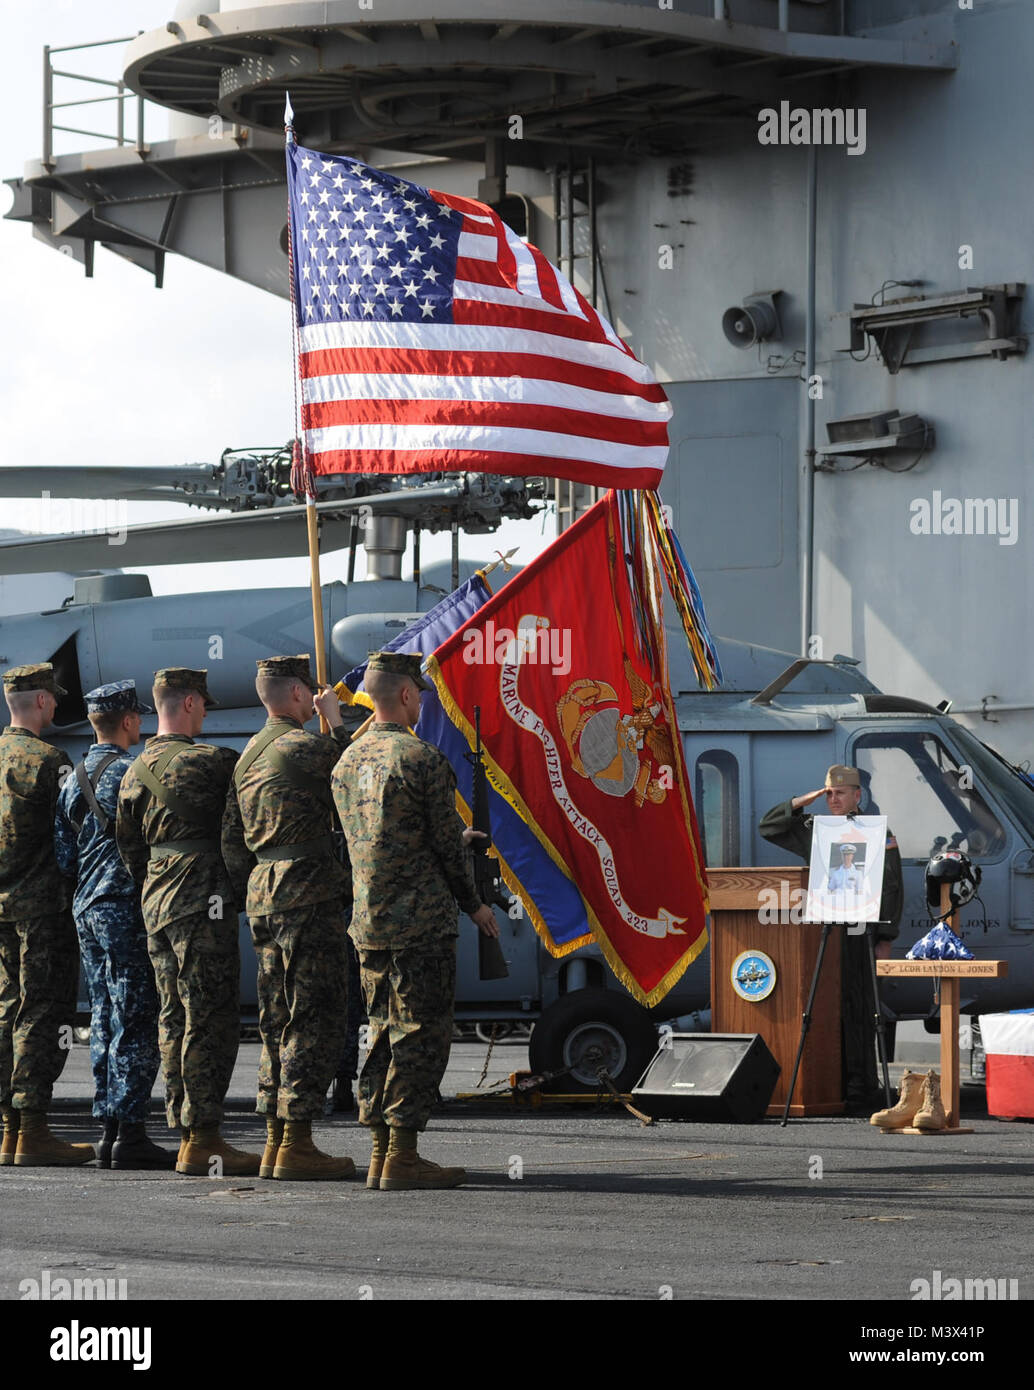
709 1076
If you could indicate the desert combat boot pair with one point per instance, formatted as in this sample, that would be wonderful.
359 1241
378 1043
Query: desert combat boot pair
204 1153
918 1106
291 1154
28 1143
395 1165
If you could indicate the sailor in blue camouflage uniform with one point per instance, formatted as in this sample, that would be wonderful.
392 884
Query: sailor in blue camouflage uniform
112 938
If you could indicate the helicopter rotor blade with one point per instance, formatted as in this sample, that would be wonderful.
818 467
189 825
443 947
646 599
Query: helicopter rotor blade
275 533
131 483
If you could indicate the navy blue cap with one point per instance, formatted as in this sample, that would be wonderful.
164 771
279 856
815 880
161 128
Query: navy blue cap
117 698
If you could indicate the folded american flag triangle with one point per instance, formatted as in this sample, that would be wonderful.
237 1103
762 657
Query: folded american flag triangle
432 338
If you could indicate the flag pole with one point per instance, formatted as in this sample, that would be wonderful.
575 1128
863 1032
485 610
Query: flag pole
302 476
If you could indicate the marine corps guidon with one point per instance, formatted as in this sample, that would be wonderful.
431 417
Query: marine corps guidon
583 748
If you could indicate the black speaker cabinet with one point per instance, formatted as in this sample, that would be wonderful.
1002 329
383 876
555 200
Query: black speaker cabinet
709 1076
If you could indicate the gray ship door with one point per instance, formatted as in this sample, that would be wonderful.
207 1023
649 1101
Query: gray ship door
731 482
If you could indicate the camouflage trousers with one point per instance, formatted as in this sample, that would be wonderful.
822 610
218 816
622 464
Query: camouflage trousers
197 968
302 995
39 976
123 1009
857 1019
409 1000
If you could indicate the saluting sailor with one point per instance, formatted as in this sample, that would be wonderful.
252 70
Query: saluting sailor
788 826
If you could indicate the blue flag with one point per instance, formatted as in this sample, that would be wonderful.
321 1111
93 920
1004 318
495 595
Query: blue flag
548 894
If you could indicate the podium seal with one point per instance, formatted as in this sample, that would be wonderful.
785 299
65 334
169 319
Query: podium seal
753 975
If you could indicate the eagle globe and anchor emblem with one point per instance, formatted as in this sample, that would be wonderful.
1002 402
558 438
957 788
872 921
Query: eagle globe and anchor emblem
753 975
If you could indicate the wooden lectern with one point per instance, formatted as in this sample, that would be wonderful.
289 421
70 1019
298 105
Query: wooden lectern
739 899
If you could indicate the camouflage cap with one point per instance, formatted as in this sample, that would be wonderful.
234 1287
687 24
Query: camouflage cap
400 664
185 679
118 697
288 668
39 676
840 776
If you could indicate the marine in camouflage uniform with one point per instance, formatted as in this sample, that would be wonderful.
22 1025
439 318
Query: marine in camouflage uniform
280 812
112 940
789 827
189 899
395 797
39 955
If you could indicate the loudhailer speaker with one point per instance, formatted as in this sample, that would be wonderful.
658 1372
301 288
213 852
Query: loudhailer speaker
709 1076
756 321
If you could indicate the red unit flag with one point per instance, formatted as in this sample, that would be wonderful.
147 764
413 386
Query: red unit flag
581 738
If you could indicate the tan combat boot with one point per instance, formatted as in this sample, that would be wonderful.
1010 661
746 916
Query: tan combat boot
274 1138
208 1155
299 1158
38 1148
404 1169
901 1115
9 1146
184 1141
380 1135
930 1116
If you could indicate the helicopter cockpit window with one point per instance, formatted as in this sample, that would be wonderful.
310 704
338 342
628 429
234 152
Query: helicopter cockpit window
927 795
718 807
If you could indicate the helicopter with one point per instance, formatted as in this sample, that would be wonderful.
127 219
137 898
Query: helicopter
767 733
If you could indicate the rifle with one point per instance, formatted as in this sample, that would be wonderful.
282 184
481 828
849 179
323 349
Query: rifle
491 961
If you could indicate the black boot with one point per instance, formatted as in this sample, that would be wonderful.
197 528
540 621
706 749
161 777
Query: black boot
108 1136
133 1149
342 1100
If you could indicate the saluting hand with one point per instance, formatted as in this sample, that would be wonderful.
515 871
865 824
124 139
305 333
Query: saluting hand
808 798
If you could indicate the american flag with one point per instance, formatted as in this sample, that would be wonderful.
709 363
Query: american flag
432 338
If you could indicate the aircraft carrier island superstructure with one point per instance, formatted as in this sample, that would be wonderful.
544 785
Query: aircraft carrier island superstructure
810 217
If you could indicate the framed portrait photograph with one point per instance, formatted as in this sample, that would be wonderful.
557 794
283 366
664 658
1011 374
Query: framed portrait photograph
845 879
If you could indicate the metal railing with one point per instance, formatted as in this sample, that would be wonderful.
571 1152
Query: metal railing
721 10
119 96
